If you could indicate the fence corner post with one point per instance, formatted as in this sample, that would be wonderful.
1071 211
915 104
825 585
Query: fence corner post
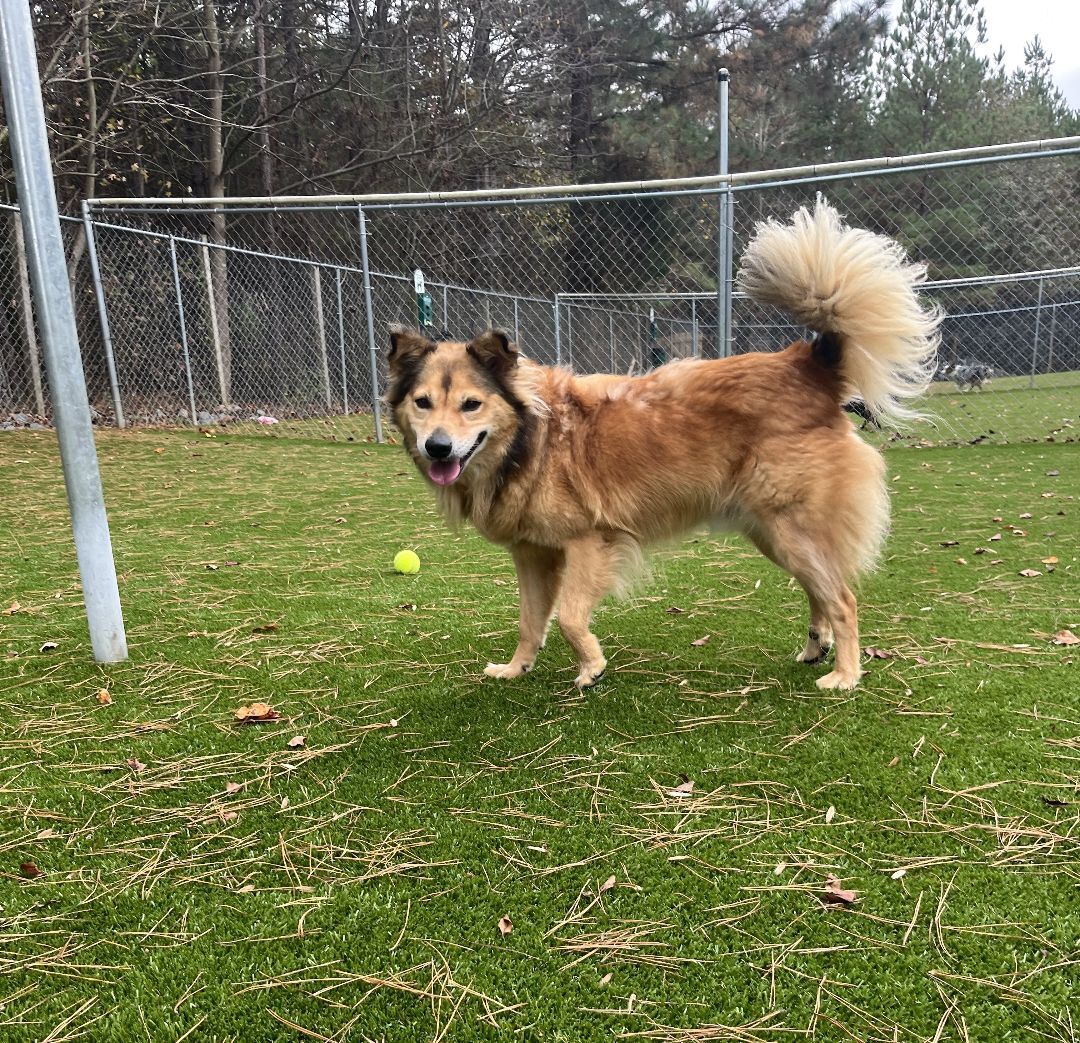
103 314
376 404
183 331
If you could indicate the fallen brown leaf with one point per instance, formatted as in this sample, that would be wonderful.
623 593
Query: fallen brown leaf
878 653
256 713
29 870
264 628
684 789
103 697
135 764
702 640
1065 637
233 787
608 884
1030 573
49 646
295 742
506 925
835 893
15 606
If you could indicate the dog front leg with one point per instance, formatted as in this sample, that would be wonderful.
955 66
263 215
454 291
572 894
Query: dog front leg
539 573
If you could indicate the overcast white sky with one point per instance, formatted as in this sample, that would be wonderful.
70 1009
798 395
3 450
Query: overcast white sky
1012 23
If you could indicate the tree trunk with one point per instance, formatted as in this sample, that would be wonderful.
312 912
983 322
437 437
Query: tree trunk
215 186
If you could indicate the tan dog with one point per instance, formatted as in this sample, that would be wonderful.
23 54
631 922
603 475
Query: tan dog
574 475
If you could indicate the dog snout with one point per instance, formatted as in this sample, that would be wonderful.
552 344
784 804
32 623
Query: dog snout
438 446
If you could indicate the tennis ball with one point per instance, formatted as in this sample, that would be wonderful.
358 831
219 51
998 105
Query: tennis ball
406 562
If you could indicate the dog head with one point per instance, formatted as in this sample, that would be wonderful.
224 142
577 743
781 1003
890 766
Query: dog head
455 404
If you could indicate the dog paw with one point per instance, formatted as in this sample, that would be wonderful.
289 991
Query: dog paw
590 674
836 679
507 671
810 656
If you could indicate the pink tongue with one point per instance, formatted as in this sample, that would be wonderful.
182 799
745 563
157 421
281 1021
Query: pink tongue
443 472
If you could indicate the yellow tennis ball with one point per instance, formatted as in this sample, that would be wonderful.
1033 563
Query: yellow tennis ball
407 562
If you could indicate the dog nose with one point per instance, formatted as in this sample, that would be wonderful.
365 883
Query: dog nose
439 446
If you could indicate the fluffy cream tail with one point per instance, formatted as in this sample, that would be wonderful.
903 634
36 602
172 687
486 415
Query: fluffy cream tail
859 285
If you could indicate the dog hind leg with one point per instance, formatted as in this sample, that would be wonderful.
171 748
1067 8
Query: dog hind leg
808 557
539 572
591 572
819 639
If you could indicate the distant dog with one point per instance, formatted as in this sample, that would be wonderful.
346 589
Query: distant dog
575 475
971 376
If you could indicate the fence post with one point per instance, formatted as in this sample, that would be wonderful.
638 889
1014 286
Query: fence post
729 271
569 338
28 314
695 348
445 311
723 258
611 340
183 329
558 338
517 329
215 335
376 409
103 315
1035 342
341 345
1050 346
320 331
59 335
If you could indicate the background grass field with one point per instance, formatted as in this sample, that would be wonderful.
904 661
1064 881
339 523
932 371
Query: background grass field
168 874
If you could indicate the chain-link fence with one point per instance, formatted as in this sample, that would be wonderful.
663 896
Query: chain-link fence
274 316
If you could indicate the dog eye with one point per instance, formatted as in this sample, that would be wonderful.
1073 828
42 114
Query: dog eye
423 402
470 405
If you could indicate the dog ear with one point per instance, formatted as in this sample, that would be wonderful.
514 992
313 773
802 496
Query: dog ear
407 344
494 351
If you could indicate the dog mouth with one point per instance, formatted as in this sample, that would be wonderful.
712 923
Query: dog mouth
446 472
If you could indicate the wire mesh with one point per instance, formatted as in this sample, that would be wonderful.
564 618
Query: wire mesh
270 325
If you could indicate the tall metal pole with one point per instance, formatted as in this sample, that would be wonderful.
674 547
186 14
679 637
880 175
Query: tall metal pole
56 316
723 259
376 402
103 314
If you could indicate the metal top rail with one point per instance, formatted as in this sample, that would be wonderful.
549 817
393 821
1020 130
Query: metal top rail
709 181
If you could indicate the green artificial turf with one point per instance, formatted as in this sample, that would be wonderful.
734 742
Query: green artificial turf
204 880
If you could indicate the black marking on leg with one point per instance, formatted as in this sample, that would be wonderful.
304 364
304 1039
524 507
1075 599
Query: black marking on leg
814 635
